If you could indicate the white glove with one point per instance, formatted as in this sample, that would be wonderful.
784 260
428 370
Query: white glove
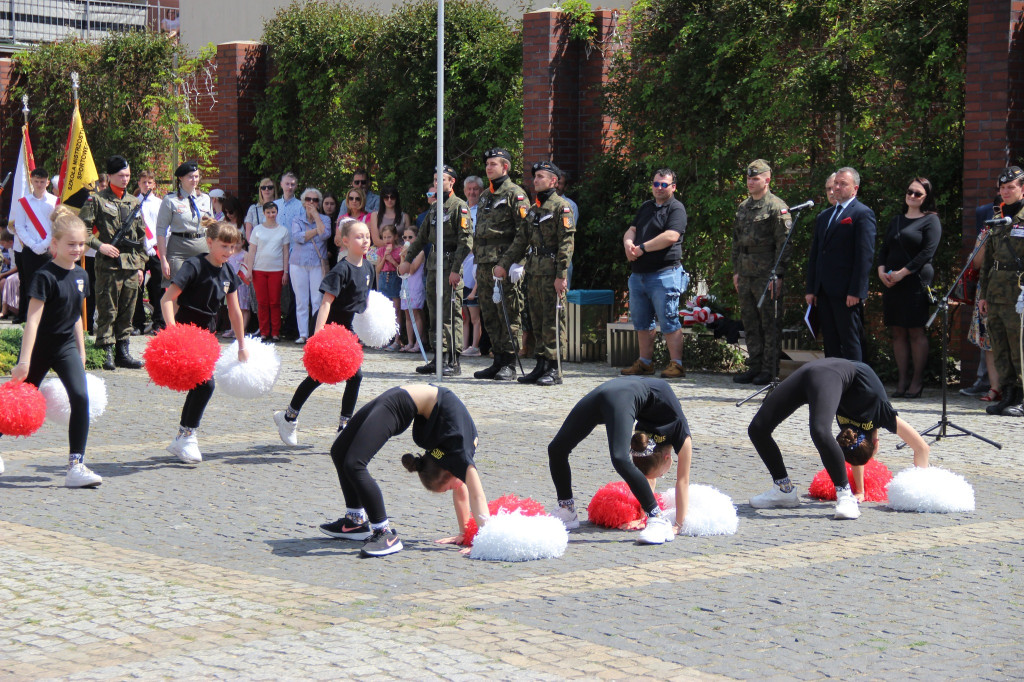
1020 302
516 272
496 296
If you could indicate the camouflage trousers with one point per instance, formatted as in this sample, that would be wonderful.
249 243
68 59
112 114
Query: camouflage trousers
491 314
116 292
542 299
763 328
451 327
1004 334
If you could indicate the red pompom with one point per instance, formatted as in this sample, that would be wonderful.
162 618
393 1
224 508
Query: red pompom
332 355
181 357
876 477
508 503
614 505
22 409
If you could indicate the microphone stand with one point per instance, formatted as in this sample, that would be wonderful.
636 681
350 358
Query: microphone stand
769 288
939 428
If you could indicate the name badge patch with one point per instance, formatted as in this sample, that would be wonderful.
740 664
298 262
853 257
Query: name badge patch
1017 231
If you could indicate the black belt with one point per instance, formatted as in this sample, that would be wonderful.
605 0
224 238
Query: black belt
1004 267
188 235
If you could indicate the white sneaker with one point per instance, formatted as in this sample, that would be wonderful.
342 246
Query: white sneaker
471 352
80 476
846 505
289 431
1 465
301 340
186 448
775 498
658 531
569 519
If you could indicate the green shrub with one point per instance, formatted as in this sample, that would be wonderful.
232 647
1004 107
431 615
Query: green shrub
10 348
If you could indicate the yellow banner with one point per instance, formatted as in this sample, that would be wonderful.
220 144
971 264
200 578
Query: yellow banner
80 170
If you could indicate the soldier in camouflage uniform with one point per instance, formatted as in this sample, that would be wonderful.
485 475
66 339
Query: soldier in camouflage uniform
500 212
758 234
457 243
117 268
546 239
998 289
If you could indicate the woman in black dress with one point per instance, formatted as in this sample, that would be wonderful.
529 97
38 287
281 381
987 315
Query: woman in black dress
906 271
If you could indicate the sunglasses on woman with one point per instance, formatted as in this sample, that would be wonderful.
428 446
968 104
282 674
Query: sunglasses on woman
267 188
388 196
915 194
352 199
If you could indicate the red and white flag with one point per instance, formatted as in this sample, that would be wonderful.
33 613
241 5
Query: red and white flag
21 184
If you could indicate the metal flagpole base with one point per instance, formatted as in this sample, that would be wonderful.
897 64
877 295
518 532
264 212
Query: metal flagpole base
766 389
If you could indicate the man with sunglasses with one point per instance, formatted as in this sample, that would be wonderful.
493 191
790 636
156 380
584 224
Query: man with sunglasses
758 235
361 180
654 247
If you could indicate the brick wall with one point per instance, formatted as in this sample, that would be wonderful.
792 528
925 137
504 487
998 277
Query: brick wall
241 80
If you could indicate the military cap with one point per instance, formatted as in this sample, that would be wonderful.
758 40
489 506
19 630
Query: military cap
499 153
547 166
1010 174
448 170
186 168
116 164
758 166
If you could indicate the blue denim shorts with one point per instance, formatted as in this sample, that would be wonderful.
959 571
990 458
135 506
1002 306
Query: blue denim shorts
389 284
655 296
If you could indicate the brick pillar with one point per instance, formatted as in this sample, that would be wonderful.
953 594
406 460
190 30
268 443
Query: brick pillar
241 80
562 117
993 122
11 142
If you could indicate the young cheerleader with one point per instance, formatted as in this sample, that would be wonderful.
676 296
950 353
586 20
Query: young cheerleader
413 295
268 263
388 283
344 290
652 406
54 317
832 388
442 426
198 290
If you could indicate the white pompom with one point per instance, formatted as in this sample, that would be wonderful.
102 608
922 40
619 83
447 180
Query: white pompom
58 407
378 324
514 537
252 379
931 489
708 511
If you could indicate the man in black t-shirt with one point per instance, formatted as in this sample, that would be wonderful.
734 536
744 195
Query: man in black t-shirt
654 246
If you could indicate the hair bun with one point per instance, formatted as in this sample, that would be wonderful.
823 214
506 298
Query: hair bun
411 462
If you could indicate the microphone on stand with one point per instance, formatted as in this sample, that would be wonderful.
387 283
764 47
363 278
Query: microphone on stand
1005 220
800 207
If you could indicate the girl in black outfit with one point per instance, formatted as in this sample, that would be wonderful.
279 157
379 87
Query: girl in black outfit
200 287
442 426
344 290
832 388
906 271
54 315
619 404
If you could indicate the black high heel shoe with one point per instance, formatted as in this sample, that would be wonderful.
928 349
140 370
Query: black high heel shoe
899 393
911 396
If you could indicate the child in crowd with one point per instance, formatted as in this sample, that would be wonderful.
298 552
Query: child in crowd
388 282
201 286
268 263
414 298
344 290
9 281
470 327
54 317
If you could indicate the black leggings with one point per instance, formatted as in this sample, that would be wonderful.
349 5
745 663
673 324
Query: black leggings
66 361
348 401
582 420
387 415
821 392
195 404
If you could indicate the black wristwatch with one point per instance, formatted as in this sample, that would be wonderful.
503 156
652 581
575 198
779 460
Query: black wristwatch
643 249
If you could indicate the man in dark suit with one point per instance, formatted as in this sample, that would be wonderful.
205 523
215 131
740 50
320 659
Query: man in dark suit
842 252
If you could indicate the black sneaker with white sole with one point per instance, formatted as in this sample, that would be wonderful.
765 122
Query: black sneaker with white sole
346 529
382 543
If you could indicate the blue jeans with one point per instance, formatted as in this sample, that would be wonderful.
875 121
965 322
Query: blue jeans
655 295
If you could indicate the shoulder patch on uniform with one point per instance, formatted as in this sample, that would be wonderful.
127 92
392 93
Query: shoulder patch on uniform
520 197
463 209
566 209
522 211
784 211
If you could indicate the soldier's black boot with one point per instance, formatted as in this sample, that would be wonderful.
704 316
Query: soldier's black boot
429 368
532 377
1008 396
1016 409
108 361
550 377
492 370
507 370
746 376
123 357
451 368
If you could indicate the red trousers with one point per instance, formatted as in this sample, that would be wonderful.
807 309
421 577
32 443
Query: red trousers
268 301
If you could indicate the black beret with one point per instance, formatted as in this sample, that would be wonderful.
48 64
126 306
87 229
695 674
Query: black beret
547 166
498 153
186 168
448 170
1010 174
116 164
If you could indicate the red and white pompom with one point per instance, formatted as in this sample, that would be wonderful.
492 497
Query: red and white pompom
181 357
332 355
615 506
252 379
378 324
517 537
876 478
930 489
709 511
58 407
505 504
22 409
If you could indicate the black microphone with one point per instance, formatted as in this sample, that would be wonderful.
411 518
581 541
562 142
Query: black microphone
1005 220
800 207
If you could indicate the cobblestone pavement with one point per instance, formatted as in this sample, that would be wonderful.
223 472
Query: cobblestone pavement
213 571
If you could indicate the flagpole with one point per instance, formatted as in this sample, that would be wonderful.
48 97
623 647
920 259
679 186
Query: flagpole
74 107
24 107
